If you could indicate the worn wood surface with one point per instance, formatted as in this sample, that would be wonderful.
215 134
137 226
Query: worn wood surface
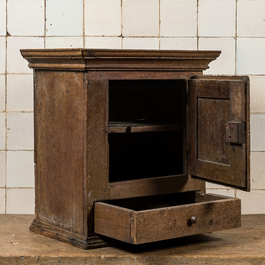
137 127
166 221
112 124
121 60
154 186
244 245
213 103
60 140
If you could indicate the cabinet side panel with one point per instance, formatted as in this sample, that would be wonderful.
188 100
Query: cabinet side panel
59 148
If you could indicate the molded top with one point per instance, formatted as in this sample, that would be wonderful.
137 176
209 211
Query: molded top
119 60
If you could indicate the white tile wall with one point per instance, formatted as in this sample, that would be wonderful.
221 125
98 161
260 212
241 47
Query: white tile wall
2 17
257 128
252 202
2 201
20 131
217 18
26 18
2 92
64 18
140 17
3 169
250 56
236 27
178 18
250 18
225 63
19 92
178 44
2 54
20 201
15 62
103 43
103 17
257 95
64 42
141 43
2 131
20 169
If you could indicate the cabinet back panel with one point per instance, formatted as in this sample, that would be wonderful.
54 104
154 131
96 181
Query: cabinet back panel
146 100
145 155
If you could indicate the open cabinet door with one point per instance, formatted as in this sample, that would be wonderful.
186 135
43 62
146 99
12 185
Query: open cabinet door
218 139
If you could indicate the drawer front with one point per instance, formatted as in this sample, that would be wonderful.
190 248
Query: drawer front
209 213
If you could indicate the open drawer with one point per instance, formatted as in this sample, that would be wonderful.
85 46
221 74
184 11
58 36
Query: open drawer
150 219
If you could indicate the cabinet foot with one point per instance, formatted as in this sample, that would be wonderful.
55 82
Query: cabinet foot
66 236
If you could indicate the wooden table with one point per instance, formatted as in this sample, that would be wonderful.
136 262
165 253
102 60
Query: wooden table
245 245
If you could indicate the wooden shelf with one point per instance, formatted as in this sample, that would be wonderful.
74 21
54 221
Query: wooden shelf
139 126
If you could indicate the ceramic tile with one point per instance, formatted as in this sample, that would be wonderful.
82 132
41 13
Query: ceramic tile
19 92
20 201
20 169
20 131
217 18
2 201
2 92
3 168
210 185
103 17
26 18
103 42
140 17
257 94
178 43
64 18
257 132
178 18
2 131
15 62
64 42
141 43
2 17
250 18
257 170
252 202
250 56
224 192
2 54
225 63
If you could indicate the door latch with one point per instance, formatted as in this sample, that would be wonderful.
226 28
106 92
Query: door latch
235 132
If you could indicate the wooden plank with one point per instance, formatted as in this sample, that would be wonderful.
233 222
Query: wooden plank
60 140
173 222
154 186
136 127
112 221
97 146
213 103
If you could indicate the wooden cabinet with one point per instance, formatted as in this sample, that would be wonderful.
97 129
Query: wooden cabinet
125 140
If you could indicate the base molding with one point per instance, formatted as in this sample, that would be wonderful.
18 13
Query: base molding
73 239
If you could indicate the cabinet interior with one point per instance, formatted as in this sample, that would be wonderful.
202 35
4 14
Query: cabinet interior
146 128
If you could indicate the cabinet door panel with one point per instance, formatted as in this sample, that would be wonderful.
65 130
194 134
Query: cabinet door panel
218 130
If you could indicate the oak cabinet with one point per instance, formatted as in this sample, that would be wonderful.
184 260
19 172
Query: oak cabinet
125 140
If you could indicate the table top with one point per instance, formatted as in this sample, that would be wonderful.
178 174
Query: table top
245 245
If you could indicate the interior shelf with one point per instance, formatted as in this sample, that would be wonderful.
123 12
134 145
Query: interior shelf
140 126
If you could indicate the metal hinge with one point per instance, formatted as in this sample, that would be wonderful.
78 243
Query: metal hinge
235 132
